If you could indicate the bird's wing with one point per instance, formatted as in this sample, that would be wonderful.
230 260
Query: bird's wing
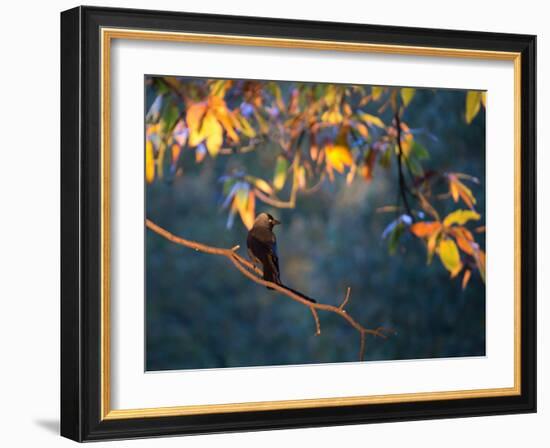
264 247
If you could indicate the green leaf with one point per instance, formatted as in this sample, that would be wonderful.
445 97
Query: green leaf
394 237
407 95
281 168
473 104
385 159
415 166
419 151
460 217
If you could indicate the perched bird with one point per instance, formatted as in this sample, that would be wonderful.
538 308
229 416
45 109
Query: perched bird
262 250
262 247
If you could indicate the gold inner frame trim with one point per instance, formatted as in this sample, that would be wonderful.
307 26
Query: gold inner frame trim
107 35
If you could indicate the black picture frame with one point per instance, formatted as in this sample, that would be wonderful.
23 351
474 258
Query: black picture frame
81 224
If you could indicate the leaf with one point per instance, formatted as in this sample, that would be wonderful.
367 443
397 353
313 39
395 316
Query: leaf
395 236
407 95
419 151
372 120
332 116
458 189
194 115
415 166
260 184
479 256
149 162
247 129
448 253
376 92
247 213
281 168
466 278
425 229
338 156
465 240
176 149
362 129
460 217
213 131
473 102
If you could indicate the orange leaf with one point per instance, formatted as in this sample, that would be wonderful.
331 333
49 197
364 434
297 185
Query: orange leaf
424 229
195 112
466 278
175 153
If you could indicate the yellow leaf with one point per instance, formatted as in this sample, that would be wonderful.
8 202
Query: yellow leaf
473 101
247 212
262 185
373 120
212 129
407 95
424 229
460 217
246 128
279 177
338 156
333 116
149 162
376 92
448 253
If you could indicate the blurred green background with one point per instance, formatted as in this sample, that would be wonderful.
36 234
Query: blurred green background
202 313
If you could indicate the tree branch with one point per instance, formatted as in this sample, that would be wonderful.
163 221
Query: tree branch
252 272
402 184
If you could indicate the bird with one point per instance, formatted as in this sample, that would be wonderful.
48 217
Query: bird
262 247
262 250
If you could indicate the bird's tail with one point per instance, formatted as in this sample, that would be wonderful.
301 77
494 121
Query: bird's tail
298 293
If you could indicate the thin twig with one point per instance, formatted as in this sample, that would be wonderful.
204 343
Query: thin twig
254 273
317 322
346 299
402 184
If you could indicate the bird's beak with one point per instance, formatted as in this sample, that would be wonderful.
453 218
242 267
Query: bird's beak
275 222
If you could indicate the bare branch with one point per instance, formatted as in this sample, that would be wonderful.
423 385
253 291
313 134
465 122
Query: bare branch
317 322
346 299
362 346
252 272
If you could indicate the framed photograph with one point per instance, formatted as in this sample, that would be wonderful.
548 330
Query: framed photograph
276 224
